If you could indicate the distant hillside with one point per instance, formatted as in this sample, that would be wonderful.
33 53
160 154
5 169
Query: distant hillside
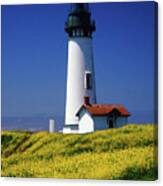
125 153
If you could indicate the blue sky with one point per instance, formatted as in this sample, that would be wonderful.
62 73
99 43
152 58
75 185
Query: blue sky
34 58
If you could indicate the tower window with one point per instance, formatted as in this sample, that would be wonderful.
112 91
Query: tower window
88 80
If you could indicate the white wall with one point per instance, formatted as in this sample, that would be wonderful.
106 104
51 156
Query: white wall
100 122
67 130
80 59
86 123
121 121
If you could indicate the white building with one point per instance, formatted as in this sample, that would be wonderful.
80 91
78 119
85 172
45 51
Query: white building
79 117
94 117
80 69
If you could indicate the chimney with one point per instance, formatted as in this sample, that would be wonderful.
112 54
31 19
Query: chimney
86 100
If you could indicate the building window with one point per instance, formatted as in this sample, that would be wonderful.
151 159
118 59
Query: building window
88 80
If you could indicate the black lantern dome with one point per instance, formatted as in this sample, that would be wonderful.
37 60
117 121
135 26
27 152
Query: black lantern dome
79 23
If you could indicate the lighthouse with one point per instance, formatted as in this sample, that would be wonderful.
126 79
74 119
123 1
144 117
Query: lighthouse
80 69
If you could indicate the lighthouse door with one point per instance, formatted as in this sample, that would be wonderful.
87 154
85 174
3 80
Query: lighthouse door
110 121
111 124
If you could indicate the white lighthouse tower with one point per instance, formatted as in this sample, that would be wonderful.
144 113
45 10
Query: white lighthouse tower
80 69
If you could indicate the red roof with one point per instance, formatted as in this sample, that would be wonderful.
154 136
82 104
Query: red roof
104 109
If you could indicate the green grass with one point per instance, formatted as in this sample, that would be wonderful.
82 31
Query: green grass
124 153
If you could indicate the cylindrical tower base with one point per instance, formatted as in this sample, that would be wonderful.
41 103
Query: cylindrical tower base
80 77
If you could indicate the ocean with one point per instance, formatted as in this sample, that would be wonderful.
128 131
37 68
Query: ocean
41 123
31 123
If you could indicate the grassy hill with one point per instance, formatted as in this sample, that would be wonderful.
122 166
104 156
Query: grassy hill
124 153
